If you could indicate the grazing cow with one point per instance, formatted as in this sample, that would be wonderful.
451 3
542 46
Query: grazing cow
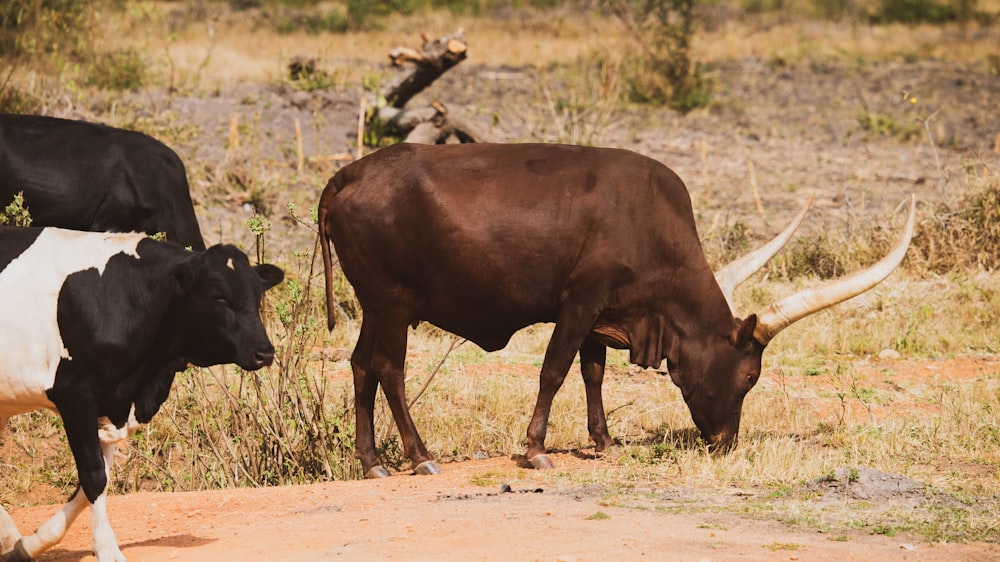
95 326
482 240
85 176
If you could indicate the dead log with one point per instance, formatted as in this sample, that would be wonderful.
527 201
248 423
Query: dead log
435 58
432 124
445 128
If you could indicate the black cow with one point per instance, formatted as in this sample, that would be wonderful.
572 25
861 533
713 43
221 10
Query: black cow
95 326
86 176
483 240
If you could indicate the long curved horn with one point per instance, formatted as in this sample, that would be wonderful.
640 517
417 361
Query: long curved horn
779 315
739 270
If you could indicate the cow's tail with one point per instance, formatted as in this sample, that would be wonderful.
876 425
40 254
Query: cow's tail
332 187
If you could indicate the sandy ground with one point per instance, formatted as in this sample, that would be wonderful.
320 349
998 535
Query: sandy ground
450 517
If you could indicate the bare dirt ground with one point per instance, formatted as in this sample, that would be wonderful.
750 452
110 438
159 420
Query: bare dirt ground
447 517
799 125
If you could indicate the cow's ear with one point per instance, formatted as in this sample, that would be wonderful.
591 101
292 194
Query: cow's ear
184 278
269 275
743 334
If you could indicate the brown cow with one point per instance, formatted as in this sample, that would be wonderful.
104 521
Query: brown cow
485 239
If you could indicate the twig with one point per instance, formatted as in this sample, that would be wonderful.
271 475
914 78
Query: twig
455 343
937 159
162 469
211 47
753 187
299 161
234 131
361 127
704 161
613 410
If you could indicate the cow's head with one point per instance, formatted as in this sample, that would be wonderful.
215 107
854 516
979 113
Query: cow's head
714 373
716 370
218 309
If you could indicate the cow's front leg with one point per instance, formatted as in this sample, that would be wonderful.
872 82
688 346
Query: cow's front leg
105 543
93 447
593 356
571 329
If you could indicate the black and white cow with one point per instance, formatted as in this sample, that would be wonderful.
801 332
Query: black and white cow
95 326
88 176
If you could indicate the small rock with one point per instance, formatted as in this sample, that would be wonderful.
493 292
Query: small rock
907 546
300 99
889 355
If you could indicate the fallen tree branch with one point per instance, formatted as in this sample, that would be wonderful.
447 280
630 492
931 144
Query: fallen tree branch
435 58
432 124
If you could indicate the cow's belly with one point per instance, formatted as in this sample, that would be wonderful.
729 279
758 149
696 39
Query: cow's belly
32 351
32 346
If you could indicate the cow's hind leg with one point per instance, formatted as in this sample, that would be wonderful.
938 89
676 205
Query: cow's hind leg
9 535
592 361
365 387
388 359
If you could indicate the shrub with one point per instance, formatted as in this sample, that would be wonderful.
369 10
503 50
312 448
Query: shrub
304 15
16 214
31 27
331 21
924 11
584 109
13 100
661 71
967 234
303 75
810 257
883 125
120 70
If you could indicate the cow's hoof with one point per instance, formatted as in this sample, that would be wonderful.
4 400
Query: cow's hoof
377 471
608 453
427 468
112 555
542 462
16 555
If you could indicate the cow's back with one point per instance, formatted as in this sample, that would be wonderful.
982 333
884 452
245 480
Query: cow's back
86 176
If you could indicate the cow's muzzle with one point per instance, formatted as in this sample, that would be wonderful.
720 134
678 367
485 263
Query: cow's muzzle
722 443
261 358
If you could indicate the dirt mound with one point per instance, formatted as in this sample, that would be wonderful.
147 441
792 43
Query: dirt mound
867 484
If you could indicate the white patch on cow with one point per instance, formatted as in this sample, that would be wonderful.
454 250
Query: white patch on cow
229 264
29 293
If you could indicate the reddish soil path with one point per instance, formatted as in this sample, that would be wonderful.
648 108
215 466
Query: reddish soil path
448 517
